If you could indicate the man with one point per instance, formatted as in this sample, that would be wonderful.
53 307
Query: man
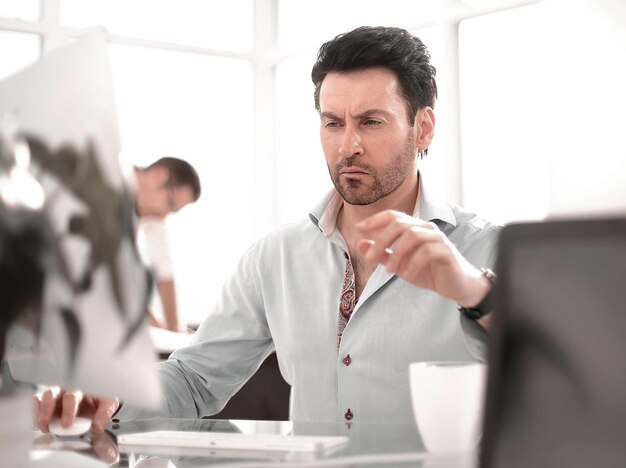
162 188
368 284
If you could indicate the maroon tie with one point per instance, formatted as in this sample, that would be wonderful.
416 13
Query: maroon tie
347 300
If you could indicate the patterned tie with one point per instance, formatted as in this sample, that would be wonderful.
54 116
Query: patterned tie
347 300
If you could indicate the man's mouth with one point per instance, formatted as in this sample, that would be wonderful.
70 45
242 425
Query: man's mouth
353 171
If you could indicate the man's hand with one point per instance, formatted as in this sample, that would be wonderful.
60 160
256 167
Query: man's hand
420 253
54 402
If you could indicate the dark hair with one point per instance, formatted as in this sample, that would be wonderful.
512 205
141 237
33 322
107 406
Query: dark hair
392 48
181 174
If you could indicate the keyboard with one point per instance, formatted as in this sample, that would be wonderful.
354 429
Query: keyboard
233 441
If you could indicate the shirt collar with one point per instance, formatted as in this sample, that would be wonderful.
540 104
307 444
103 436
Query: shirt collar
427 207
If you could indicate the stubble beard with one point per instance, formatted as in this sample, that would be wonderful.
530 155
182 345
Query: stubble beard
384 181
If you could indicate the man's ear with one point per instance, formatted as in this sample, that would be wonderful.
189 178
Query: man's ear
159 174
424 127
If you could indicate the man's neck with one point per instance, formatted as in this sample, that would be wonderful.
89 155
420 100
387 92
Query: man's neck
402 200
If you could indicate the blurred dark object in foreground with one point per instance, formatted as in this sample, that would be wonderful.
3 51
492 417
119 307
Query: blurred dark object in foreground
556 394
25 240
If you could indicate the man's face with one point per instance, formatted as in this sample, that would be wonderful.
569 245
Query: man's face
173 199
158 197
369 145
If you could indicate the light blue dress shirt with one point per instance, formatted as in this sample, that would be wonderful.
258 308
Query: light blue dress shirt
284 296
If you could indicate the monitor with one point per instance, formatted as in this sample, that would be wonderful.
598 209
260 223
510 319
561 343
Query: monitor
94 329
556 390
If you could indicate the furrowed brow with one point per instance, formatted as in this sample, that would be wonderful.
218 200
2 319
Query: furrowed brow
370 112
329 115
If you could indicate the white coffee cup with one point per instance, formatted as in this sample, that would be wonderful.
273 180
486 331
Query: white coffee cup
448 401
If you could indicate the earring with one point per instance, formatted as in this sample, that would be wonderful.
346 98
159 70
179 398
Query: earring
422 153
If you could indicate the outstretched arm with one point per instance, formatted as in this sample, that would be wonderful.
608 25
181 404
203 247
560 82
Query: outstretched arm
167 294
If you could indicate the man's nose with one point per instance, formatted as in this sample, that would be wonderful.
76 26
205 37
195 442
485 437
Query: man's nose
350 143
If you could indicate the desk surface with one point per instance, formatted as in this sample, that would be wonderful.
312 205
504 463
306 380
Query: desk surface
370 445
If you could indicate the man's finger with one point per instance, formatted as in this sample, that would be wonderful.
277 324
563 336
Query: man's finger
46 409
104 412
71 402
36 409
364 245
407 244
377 221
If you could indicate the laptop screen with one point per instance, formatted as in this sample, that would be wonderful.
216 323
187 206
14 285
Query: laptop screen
556 393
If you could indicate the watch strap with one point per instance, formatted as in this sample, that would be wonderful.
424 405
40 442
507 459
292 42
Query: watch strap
486 304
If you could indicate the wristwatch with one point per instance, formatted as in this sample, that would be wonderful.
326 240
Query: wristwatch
486 305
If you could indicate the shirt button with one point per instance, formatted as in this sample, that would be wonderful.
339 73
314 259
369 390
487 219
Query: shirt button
347 360
348 415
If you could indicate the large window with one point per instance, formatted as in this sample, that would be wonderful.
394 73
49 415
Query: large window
184 85
224 26
198 108
227 86
502 93
20 9
17 50
306 25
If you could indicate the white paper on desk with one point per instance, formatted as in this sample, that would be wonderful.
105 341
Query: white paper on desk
94 323
167 341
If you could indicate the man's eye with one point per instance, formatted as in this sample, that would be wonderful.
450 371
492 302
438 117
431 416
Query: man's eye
372 122
332 124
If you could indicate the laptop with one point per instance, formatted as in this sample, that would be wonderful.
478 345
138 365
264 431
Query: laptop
556 391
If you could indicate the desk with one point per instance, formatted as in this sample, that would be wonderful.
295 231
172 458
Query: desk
370 445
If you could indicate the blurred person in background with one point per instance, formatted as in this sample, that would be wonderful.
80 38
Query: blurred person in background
163 188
